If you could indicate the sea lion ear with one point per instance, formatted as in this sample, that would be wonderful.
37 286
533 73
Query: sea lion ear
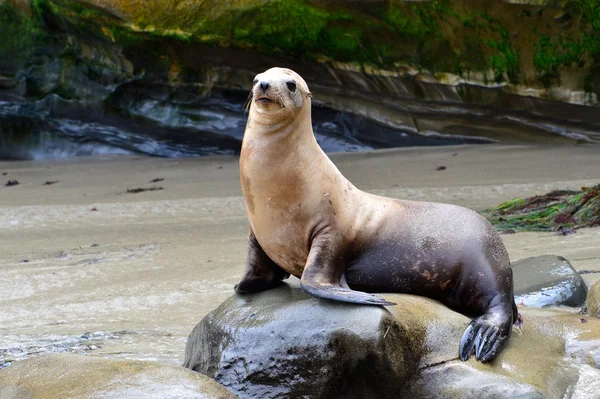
309 94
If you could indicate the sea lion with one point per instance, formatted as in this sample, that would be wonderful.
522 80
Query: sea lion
306 219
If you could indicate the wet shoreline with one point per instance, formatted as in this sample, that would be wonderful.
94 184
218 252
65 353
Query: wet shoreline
152 264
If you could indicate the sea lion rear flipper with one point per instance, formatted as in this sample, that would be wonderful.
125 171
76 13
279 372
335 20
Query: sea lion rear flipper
324 278
261 272
486 337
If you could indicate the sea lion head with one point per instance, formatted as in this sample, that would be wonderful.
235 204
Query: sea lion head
278 93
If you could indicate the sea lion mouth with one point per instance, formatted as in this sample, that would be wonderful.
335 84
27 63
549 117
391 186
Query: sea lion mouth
264 100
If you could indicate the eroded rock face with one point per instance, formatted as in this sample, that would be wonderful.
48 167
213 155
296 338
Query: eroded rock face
60 376
547 280
284 343
114 77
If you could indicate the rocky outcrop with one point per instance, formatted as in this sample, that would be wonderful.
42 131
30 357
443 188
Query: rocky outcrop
445 73
75 376
296 346
547 280
283 342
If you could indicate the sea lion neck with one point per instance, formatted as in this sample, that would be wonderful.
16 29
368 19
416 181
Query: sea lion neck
281 137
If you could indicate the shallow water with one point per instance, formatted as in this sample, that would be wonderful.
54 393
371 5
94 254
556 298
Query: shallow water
87 267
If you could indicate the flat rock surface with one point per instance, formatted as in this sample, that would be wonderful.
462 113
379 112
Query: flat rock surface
61 376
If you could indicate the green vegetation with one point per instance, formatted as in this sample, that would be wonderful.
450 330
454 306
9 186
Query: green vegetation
589 9
438 36
19 32
506 61
554 211
294 28
550 54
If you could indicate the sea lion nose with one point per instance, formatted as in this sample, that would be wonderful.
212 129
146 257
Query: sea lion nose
264 86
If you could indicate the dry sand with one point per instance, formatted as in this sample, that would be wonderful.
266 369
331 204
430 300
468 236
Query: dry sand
138 271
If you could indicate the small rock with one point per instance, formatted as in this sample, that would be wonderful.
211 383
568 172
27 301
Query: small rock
565 231
94 209
548 280
509 231
458 380
441 167
158 179
142 189
593 300
50 182
11 183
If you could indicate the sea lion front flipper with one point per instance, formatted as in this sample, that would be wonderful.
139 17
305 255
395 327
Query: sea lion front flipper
344 295
261 272
323 277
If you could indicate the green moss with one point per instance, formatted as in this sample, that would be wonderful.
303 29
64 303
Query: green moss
418 21
552 53
589 9
20 33
285 26
434 35
506 60
294 28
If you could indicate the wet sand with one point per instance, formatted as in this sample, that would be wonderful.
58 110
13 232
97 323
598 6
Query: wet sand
87 267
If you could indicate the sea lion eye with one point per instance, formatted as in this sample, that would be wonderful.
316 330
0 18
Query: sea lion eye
291 86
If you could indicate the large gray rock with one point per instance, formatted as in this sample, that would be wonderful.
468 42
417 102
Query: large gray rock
284 343
547 280
61 376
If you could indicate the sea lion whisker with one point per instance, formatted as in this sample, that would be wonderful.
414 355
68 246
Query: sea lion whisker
248 102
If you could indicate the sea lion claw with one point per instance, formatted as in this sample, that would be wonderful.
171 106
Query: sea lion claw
485 337
467 342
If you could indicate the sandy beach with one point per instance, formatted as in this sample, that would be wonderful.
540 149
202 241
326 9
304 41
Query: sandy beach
88 267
